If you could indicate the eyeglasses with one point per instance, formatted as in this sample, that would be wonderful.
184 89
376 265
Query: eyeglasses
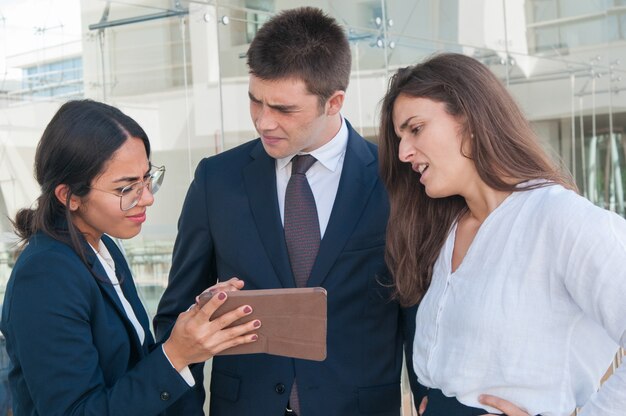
131 194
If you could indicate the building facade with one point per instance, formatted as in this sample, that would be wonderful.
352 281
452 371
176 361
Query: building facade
178 67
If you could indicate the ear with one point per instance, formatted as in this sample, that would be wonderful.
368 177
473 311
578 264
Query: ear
61 192
466 146
335 102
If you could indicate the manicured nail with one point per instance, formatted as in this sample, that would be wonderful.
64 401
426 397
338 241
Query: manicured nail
247 309
254 337
221 296
256 324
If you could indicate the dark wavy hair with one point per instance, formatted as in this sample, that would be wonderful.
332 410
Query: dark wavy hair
501 143
74 148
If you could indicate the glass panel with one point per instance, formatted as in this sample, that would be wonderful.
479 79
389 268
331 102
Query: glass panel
179 68
142 68
41 69
569 24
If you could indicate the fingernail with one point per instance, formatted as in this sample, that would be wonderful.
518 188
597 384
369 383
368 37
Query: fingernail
257 324
247 309
221 296
255 337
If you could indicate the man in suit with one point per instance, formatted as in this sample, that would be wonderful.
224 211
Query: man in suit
232 224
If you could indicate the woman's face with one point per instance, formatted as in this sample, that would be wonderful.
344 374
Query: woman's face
431 141
99 212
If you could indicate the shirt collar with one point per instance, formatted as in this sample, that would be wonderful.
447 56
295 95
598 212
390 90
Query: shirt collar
330 154
103 253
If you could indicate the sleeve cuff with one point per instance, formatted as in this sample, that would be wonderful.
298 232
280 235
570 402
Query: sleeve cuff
185 373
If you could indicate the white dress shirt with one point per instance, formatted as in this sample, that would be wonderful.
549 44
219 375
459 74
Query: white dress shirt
323 176
109 267
535 311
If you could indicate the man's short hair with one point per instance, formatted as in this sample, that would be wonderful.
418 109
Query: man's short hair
303 43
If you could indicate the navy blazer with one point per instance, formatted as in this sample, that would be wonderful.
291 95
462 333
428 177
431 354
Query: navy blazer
231 226
72 347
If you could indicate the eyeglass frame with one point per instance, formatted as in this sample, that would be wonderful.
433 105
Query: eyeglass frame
157 175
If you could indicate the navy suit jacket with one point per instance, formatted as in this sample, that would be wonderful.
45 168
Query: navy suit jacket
73 349
231 226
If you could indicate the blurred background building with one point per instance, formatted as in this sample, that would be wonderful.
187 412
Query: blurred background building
178 68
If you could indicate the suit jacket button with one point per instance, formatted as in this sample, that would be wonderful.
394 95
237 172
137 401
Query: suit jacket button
280 388
165 396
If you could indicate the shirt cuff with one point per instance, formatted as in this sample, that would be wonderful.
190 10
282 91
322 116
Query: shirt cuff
185 373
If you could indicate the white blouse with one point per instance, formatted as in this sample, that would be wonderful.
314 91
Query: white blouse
534 313
104 256
109 267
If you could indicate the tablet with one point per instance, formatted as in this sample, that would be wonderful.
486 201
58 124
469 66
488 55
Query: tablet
293 321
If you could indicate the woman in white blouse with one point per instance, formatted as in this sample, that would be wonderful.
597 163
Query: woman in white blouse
521 282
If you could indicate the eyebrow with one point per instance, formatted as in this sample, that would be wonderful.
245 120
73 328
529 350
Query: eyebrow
279 107
253 98
404 125
131 178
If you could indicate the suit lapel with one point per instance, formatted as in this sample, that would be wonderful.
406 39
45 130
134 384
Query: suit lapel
358 178
109 292
260 182
129 289
103 281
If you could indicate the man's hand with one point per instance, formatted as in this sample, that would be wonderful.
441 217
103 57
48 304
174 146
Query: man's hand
229 285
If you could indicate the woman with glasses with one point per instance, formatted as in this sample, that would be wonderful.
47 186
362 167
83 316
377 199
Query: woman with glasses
77 335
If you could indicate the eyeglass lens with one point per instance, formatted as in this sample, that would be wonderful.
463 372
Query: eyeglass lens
131 194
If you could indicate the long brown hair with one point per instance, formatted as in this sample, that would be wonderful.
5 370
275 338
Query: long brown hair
502 145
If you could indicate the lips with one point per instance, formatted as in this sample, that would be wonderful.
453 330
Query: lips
421 167
139 218
271 139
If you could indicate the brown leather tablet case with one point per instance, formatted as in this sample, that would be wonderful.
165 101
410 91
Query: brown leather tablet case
293 321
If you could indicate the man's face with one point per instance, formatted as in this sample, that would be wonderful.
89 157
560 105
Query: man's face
289 118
